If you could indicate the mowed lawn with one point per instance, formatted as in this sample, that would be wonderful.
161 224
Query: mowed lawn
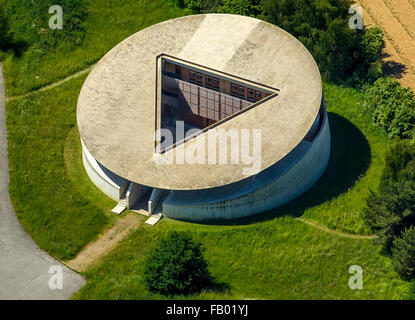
279 259
48 206
271 255
355 167
51 208
108 23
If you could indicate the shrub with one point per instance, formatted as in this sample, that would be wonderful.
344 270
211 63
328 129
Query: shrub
29 21
322 26
372 44
343 54
200 6
5 34
399 162
391 210
241 7
177 266
392 107
375 71
403 254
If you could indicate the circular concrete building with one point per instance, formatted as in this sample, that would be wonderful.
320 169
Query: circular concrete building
204 117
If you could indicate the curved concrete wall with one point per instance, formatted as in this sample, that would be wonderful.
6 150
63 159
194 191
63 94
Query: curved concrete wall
108 182
277 185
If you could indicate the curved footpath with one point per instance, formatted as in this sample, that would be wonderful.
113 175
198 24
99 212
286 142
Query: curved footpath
24 268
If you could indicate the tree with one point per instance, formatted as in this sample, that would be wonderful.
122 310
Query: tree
336 50
372 44
391 210
403 254
5 35
200 6
392 107
399 162
241 7
343 54
29 22
177 266
75 13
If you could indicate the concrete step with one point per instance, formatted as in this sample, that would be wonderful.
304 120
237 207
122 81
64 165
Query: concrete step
159 208
120 207
154 219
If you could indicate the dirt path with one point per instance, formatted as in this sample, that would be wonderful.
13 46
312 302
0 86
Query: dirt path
335 232
96 250
397 19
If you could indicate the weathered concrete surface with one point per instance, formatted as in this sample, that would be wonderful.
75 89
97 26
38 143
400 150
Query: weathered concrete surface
116 106
108 182
23 266
277 185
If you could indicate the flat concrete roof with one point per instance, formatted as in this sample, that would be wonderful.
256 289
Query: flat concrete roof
116 106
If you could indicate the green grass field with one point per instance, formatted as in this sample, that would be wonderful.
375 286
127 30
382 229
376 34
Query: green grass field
355 166
279 259
108 23
272 255
59 219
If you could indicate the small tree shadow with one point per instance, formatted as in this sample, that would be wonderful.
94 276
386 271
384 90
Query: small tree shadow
15 47
214 286
349 160
219 287
393 68
18 47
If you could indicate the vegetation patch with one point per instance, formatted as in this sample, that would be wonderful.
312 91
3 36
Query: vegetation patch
356 164
58 218
107 23
390 211
29 22
278 259
272 255
177 266
403 254
75 171
342 53
391 106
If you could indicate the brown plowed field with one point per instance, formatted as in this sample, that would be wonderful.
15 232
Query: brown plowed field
397 19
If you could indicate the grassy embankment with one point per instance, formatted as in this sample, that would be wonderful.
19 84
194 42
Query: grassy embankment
271 256
60 218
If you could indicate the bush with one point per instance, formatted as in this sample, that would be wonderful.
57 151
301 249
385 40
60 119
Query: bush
322 26
399 162
403 254
241 7
372 44
392 107
374 72
200 6
5 36
29 21
177 266
343 54
390 211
